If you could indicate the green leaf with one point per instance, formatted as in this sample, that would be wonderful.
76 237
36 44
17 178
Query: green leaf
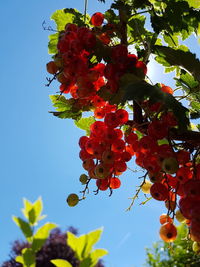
65 108
61 103
195 105
136 27
32 211
83 244
180 58
110 16
27 207
67 114
61 263
91 239
84 124
41 235
194 3
29 259
52 45
19 259
97 254
62 17
93 258
38 207
72 241
24 226
139 91
171 40
69 15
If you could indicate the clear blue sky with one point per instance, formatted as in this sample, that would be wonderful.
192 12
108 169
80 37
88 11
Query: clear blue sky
39 153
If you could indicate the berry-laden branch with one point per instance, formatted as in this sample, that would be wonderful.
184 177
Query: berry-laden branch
94 67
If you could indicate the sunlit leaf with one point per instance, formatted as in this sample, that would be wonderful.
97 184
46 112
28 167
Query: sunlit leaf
24 226
61 263
41 235
84 124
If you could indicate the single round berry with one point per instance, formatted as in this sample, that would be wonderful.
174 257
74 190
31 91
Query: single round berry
97 19
72 200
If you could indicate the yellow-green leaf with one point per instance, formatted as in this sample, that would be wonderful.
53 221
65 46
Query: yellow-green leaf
41 235
61 263
24 226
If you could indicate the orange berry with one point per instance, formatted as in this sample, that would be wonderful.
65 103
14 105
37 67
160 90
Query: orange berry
168 232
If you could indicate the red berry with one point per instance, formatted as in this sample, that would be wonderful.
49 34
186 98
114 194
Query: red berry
97 19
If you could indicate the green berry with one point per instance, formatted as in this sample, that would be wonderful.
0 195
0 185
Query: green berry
83 178
72 200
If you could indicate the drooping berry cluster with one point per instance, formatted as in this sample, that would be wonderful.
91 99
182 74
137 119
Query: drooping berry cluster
104 152
89 66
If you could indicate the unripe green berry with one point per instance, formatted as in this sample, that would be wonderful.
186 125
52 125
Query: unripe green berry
72 200
83 178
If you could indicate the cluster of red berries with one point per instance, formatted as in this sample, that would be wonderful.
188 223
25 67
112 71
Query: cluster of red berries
174 176
104 152
81 78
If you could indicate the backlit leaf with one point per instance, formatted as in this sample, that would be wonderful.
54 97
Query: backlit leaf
41 235
84 124
24 226
61 263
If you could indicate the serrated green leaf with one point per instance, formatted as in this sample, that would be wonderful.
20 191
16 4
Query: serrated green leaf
171 40
61 103
41 235
67 114
64 107
24 226
62 17
69 15
111 16
84 124
195 105
181 58
61 263
52 44
169 69
29 259
136 29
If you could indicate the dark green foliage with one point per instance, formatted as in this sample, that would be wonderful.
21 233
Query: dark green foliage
141 90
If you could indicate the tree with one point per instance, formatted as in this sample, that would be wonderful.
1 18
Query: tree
179 254
98 72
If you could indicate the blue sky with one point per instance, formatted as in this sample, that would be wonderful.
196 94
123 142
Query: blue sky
39 153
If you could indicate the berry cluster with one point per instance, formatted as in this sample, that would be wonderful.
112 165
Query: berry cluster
90 66
104 152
